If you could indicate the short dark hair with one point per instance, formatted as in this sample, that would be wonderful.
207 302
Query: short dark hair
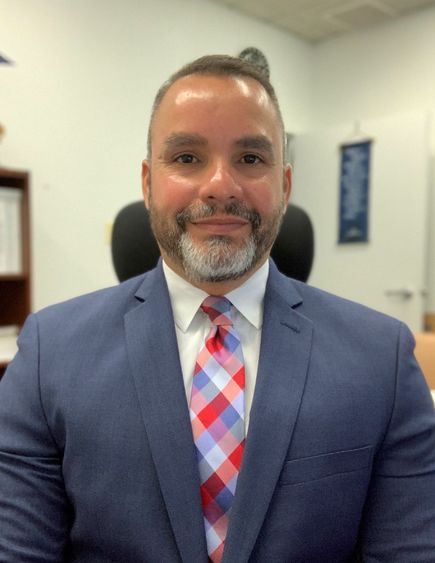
216 65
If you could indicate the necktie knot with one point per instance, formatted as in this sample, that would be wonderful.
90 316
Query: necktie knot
218 309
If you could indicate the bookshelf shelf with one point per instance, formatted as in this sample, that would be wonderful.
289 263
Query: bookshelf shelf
12 277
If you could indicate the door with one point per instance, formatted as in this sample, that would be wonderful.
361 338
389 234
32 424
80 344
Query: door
388 272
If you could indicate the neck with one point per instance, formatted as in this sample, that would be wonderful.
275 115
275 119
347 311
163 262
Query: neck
214 288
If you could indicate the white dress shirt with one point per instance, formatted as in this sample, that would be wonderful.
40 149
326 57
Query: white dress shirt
192 325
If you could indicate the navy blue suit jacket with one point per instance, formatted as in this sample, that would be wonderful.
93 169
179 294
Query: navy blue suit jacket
97 462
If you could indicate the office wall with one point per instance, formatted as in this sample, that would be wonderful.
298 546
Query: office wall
384 71
76 106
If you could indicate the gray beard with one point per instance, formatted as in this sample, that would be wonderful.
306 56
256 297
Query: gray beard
217 260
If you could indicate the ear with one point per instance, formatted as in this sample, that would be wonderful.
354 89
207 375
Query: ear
287 183
146 181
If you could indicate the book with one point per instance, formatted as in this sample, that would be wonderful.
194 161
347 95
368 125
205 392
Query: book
11 260
8 343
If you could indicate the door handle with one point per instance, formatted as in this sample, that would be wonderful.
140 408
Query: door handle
403 293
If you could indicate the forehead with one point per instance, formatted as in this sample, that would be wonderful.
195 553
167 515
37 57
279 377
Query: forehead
216 103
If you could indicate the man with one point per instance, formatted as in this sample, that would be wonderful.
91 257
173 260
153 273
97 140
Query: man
302 431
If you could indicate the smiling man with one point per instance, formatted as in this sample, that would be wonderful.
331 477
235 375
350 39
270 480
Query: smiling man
213 409
215 182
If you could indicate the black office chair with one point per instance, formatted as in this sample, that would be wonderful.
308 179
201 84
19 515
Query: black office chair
134 248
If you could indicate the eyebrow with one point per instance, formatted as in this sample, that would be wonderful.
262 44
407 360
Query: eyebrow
177 140
258 142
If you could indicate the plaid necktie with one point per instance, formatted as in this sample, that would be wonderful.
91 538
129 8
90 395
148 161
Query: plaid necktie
217 415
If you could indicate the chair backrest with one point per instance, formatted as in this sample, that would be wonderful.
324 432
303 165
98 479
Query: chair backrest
134 248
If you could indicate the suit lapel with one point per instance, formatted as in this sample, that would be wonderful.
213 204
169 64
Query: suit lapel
284 356
154 359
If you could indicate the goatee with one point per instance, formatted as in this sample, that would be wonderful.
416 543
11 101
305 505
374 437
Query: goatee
220 257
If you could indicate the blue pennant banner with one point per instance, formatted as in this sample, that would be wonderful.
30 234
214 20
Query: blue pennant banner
354 192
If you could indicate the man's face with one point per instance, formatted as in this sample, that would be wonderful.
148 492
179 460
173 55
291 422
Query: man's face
216 186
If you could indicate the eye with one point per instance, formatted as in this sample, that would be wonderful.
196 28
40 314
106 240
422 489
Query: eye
251 159
186 158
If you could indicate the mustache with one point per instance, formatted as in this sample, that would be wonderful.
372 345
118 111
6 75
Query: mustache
203 211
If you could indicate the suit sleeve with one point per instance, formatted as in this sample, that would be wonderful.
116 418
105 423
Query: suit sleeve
34 511
399 519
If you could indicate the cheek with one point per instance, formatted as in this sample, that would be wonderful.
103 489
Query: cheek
172 191
266 198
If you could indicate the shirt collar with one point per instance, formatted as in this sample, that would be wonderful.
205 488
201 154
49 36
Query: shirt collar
247 299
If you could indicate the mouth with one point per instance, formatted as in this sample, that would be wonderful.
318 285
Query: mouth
220 225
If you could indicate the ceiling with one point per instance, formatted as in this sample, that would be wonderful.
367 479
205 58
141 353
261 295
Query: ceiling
318 20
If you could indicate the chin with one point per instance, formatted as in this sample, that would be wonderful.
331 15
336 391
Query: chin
219 259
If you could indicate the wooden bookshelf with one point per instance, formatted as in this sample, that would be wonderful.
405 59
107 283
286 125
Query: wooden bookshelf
15 287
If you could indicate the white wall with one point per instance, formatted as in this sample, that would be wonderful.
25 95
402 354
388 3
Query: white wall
384 71
76 106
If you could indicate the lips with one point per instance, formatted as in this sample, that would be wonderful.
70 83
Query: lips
220 225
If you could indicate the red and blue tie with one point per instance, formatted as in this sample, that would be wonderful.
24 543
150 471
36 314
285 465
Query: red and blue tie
217 415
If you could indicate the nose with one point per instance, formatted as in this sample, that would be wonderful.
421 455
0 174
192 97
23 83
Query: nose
220 183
